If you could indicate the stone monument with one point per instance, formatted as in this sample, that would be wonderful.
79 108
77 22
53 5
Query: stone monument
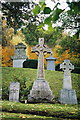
41 91
20 55
51 62
67 94
14 91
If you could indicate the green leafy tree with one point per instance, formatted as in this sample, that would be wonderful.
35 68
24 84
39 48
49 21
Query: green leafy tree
17 14
70 18
32 33
69 43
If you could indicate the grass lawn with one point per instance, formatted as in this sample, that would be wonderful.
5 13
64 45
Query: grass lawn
46 110
19 115
54 78
39 110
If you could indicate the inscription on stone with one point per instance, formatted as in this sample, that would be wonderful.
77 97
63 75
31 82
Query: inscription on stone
14 91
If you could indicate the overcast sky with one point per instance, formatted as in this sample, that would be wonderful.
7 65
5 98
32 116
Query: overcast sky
51 3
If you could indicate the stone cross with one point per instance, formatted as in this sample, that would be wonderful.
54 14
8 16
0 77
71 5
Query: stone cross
67 67
14 91
41 50
67 94
40 91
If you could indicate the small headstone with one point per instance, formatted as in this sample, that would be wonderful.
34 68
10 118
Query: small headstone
67 94
14 91
25 101
20 55
51 62
41 91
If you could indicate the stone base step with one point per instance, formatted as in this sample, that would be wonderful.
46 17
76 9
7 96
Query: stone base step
40 92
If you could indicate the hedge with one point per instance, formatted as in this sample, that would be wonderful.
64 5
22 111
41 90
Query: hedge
30 64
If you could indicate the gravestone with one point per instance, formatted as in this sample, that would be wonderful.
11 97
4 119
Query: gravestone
20 55
51 62
67 94
41 91
14 91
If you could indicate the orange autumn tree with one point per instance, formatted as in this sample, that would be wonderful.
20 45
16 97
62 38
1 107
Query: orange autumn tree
63 56
30 54
7 52
7 47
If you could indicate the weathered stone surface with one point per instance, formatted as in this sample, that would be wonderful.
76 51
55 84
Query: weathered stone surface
40 91
14 91
67 67
51 62
67 94
20 55
18 63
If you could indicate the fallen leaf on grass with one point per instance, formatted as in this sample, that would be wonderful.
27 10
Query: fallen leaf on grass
21 116
72 112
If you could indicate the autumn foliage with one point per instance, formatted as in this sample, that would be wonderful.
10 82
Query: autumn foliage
30 54
63 56
7 52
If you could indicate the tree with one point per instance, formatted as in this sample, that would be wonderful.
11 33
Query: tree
68 49
17 14
69 43
7 52
68 18
32 33
7 34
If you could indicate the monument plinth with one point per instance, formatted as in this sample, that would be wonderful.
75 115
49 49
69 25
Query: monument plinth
67 94
20 55
41 91
51 62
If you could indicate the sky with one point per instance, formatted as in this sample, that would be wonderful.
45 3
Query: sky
51 3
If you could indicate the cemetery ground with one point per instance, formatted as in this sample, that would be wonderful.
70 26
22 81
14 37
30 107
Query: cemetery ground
39 110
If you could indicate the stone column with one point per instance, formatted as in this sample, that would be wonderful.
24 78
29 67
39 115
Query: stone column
51 62
20 55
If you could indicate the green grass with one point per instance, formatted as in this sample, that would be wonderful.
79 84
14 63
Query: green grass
19 115
54 78
39 110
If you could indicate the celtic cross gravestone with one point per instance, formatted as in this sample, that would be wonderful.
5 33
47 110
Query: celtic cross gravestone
40 91
67 67
67 94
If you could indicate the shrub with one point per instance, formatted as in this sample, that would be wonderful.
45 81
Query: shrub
5 93
76 70
57 68
24 90
30 64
